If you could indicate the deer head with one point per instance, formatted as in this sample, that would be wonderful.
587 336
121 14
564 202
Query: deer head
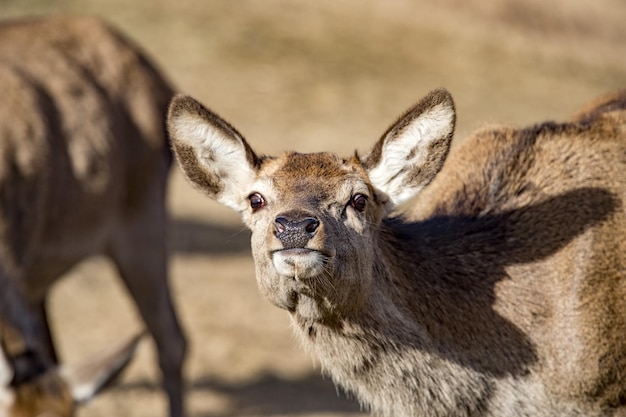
54 392
313 216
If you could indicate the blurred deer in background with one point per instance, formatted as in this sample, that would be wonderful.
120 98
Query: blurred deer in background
84 165
488 283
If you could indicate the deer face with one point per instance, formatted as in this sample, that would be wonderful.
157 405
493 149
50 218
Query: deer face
314 217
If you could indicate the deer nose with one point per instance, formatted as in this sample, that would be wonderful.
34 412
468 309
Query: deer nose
295 233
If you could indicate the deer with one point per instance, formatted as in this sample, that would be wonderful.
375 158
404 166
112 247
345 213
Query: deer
55 391
484 279
85 162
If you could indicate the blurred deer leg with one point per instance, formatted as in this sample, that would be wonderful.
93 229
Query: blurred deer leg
47 338
139 251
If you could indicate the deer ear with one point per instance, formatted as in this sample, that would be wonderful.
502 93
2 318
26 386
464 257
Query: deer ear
412 151
89 378
211 153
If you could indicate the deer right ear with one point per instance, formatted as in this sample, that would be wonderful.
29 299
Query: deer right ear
211 153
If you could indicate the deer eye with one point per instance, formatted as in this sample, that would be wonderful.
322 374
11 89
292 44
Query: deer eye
256 201
358 202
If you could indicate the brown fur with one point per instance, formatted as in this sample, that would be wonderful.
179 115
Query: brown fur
610 105
84 159
500 290
56 402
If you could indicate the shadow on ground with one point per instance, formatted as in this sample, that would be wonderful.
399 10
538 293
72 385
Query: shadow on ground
269 395
272 395
197 237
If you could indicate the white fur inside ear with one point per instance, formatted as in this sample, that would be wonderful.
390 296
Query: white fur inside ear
7 395
402 153
221 154
85 392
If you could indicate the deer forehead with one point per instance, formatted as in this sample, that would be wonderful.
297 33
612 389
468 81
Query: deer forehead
313 177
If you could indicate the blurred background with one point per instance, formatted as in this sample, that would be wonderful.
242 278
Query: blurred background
315 75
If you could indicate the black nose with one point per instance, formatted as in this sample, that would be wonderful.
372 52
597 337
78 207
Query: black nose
295 231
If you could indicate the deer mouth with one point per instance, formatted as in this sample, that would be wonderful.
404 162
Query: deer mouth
295 251
300 263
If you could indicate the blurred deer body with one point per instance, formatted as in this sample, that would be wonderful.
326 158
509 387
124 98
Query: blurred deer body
493 284
84 160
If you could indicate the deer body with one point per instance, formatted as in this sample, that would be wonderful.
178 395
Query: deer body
493 284
84 160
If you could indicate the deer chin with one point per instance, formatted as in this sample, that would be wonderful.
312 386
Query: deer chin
300 263
308 309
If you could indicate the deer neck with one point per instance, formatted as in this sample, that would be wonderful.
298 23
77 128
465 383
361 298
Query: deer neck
387 360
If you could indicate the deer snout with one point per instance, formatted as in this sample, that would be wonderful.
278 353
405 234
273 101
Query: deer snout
295 229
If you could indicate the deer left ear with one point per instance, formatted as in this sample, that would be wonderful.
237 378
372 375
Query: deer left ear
412 151
90 377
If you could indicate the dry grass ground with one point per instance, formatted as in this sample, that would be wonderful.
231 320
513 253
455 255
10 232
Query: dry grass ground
312 76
